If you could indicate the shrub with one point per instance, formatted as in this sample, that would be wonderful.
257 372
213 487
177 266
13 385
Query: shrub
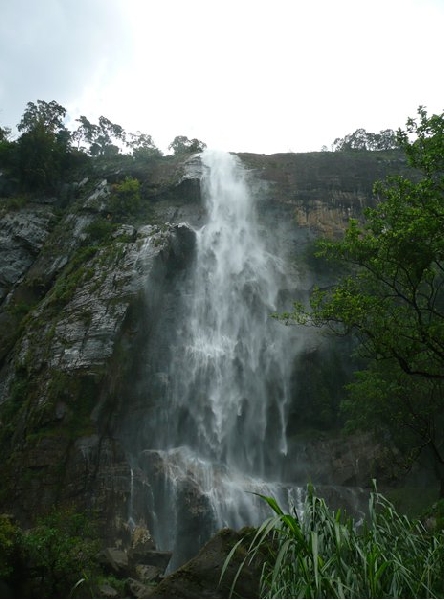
100 230
126 198
61 552
10 538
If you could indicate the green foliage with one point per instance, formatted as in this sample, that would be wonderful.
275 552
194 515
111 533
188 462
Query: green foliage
435 516
182 145
7 150
55 559
126 198
390 296
324 554
102 138
363 140
47 155
10 540
61 550
43 145
75 273
143 147
100 230
11 407
49 115
5 133
14 203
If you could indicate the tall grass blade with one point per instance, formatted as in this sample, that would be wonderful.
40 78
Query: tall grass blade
322 554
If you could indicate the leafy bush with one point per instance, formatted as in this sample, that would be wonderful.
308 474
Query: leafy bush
61 552
10 538
100 230
126 198
322 554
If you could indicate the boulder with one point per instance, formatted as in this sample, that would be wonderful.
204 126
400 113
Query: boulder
115 561
201 577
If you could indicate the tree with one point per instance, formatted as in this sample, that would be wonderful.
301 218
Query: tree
143 146
62 551
86 132
48 115
43 145
5 133
102 138
363 140
391 298
182 145
7 150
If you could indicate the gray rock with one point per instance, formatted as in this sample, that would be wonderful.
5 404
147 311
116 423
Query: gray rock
107 591
22 235
139 589
116 561
148 573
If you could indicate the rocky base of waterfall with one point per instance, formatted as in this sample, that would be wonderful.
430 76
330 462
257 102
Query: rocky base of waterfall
140 569
125 572
205 577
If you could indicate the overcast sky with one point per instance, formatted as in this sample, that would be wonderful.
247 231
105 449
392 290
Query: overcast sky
240 75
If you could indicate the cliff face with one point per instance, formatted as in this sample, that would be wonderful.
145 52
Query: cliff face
70 319
67 322
323 190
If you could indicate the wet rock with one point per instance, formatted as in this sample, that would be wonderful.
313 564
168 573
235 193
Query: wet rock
97 200
155 558
148 573
201 576
115 561
137 589
107 591
22 235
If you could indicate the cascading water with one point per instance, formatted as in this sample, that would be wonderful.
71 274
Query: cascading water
220 426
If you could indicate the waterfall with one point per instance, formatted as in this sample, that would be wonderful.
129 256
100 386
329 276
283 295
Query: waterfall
220 422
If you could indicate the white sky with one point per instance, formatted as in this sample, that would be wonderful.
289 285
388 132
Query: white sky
240 75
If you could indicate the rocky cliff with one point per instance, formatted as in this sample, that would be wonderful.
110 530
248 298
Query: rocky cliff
74 281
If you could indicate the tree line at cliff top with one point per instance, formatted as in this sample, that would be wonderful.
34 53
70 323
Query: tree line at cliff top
46 152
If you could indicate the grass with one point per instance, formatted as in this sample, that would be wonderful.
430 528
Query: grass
325 554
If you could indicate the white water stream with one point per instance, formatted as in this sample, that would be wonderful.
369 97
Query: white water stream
221 429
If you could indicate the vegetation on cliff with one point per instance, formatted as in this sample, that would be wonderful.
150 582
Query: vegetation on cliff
391 298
